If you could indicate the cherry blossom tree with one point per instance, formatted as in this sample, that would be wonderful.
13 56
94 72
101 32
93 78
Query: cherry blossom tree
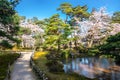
96 28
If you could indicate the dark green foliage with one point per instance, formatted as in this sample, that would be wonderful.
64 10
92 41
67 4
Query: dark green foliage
53 55
7 10
10 37
55 66
9 20
113 42
15 30
112 47
5 59
2 33
14 39
114 38
5 44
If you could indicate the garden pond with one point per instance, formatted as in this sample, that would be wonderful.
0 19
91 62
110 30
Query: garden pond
93 67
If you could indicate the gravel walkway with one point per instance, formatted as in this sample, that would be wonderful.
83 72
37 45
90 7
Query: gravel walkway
21 68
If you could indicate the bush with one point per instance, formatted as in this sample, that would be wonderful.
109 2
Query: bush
55 66
110 46
112 43
6 59
114 38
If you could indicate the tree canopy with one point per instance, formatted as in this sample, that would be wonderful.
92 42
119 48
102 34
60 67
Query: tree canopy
7 6
56 32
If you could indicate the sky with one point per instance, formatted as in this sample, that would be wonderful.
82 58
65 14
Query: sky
46 8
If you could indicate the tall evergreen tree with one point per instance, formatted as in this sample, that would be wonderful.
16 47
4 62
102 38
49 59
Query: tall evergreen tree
57 32
9 21
66 8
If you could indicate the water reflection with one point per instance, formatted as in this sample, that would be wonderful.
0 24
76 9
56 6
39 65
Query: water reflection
101 68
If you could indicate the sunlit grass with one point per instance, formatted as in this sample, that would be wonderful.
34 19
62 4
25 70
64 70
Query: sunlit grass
39 54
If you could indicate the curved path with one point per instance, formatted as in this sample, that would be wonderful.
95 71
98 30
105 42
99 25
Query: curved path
21 68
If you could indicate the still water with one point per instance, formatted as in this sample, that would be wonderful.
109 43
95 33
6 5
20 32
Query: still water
91 67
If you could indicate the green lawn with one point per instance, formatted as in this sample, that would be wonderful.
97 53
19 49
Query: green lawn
5 59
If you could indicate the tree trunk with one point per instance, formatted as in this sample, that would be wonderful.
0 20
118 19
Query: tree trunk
66 19
58 45
90 43
75 43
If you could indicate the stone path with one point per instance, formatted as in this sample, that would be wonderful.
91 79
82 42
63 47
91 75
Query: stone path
21 69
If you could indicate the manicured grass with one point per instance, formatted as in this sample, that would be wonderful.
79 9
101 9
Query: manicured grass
40 60
5 59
